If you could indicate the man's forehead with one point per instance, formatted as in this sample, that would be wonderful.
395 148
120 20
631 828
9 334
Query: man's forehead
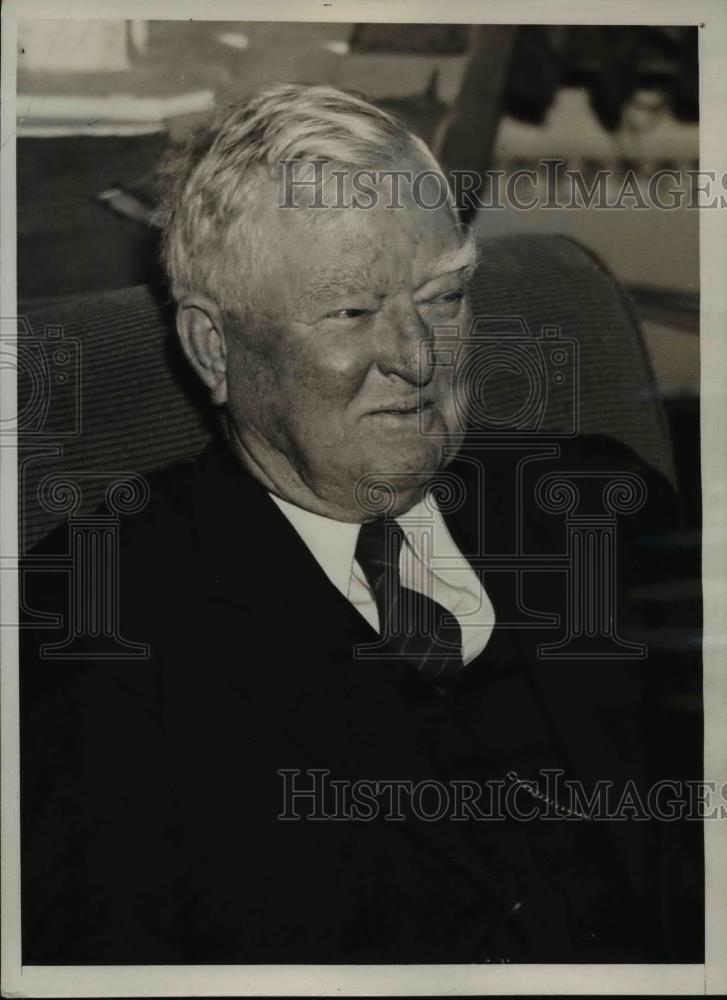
356 261
362 244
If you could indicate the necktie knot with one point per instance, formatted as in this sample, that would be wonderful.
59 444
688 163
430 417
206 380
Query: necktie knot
378 550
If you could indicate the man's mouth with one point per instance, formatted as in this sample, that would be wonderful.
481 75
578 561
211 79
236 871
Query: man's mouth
406 410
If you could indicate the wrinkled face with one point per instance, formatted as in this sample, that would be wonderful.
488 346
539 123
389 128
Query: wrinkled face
337 383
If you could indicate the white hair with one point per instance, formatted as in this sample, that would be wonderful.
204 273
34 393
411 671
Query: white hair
210 183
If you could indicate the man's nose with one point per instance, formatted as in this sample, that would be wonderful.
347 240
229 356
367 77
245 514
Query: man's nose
404 346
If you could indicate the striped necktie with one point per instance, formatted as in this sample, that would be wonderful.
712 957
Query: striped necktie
414 625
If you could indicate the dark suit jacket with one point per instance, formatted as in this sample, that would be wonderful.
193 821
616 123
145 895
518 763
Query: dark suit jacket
151 787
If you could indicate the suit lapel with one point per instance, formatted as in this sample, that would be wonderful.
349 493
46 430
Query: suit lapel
252 557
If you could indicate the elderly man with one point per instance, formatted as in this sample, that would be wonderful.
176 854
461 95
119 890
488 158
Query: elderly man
327 656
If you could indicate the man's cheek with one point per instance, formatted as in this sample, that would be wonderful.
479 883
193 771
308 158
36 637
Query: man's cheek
325 390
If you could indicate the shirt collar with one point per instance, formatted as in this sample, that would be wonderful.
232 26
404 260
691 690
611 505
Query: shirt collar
423 518
333 543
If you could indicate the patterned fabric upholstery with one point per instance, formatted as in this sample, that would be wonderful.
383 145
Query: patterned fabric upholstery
554 282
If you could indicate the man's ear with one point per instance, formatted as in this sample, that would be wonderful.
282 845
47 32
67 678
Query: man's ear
200 326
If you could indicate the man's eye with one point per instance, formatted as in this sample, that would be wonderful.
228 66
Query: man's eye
347 314
453 296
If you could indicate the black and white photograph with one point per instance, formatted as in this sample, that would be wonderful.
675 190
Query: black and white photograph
364 461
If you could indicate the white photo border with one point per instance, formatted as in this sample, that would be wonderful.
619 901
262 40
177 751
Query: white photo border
400 980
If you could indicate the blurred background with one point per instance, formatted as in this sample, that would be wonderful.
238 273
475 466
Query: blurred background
99 102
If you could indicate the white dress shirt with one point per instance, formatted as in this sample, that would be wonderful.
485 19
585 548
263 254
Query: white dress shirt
430 563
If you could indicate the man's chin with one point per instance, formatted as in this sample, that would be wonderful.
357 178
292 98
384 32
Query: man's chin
395 479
